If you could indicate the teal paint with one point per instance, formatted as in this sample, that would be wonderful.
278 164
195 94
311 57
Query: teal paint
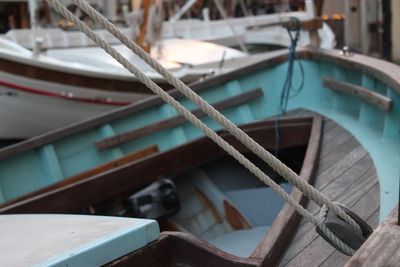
78 153
377 131
244 111
108 248
370 114
21 174
107 131
392 120
178 133
50 165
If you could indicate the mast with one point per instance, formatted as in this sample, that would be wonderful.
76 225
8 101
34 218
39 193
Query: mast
145 6
32 14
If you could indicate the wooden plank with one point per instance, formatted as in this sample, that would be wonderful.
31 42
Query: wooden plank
382 247
145 7
373 98
148 151
133 175
337 168
174 121
319 250
182 249
354 177
330 154
359 187
306 235
339 138
270 250
106 131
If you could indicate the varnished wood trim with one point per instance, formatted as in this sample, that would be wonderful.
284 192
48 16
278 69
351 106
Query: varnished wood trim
282 230
145 152
181 249
174 121
378 100
124 179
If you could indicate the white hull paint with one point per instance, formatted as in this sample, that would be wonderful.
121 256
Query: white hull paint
216 31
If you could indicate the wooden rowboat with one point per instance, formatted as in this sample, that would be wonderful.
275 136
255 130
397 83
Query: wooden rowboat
188 166
358 95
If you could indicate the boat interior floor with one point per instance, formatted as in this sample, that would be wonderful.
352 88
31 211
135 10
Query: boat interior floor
346 174
221 205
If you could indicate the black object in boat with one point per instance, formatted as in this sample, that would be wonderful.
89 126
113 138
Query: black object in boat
158 200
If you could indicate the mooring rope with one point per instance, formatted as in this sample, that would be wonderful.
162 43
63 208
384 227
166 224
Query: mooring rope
288 90
278 166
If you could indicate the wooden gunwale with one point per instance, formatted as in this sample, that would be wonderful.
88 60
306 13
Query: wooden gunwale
180 159
384 71
95 189
131 135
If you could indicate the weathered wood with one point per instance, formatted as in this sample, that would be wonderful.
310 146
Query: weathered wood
281 233
335 138
174 121
318 250
133 175
146 4
378 100
356 186
181 249
330 153
382 248
151 150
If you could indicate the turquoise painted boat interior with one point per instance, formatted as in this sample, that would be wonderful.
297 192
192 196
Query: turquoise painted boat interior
378 131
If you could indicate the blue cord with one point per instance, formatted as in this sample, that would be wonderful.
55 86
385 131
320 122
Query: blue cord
288 90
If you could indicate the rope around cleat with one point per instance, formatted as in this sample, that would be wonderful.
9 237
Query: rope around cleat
278 166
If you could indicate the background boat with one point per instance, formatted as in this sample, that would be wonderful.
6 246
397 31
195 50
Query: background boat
252 30
67 86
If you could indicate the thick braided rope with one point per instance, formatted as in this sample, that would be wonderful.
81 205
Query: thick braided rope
277 165
195 121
